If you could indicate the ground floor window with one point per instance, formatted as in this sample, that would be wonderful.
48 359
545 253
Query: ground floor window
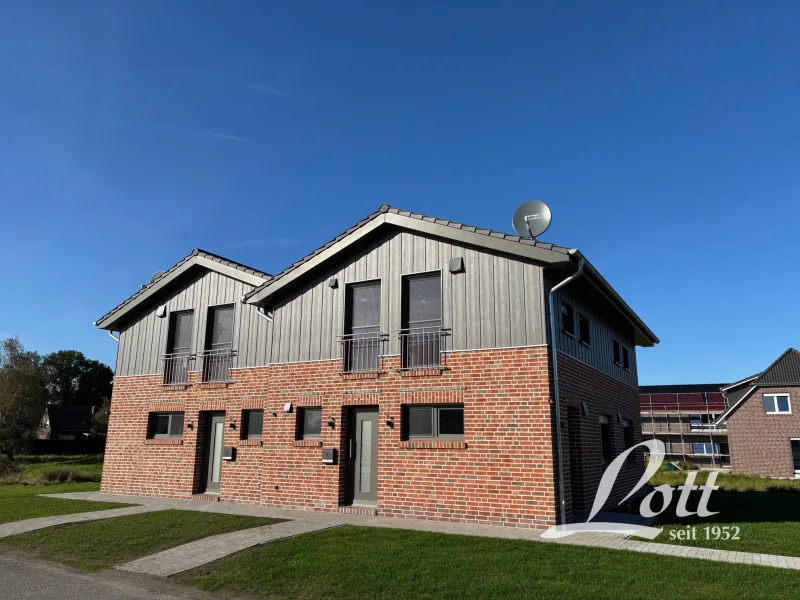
252 424
309 422
165 425
705 448
627 437
605 440
443 422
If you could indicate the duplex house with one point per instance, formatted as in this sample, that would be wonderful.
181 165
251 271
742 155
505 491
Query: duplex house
763 420
405 368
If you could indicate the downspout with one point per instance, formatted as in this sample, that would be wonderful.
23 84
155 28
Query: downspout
562 501
112 336
259 310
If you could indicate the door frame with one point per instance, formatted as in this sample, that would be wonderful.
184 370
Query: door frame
791 457
211 417
353 455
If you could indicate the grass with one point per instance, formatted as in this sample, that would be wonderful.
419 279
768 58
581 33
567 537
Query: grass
52 469
18 502
352 563
102 544
764 510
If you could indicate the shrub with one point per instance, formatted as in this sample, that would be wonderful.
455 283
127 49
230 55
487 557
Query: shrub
65 475
9 467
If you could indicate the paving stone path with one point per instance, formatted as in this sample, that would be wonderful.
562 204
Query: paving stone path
322 520
17 527
198 553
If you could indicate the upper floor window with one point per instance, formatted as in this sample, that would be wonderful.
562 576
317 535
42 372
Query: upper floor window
179 347
568 319
165 425
443 422
361 342
252 424
584 333
621 355
421 333
777 404
218 355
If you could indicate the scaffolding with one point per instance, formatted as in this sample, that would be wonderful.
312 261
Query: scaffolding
672 408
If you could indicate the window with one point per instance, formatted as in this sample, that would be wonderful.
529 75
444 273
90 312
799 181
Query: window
362 327
584 334
219 344
421 332
627 437
605 440
165 425
626 362
179 347
443 422
621 355
617 352
309 423
567 319
705 448
777 404
252 424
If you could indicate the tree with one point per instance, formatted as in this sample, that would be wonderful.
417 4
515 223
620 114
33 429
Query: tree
23 396
100 420
75 379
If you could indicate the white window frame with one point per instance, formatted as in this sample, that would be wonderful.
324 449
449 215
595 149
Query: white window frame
775 403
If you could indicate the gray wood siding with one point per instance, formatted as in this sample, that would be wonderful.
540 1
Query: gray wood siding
600 354
144 340
497 302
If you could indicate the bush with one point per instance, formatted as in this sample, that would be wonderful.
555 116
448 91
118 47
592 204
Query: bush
8 467
65 475
688 466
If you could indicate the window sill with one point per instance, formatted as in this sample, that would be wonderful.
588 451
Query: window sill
174 386
432 372
367 375
163 442
214 384
308 443
253 442
433 444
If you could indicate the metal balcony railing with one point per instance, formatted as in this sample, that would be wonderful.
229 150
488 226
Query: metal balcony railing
422 347
217 365
649 428
363 352
177 367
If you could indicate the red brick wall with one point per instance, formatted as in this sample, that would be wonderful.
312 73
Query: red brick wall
603 395
760 443
501 474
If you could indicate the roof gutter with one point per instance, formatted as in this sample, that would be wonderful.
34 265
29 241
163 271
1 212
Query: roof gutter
562 500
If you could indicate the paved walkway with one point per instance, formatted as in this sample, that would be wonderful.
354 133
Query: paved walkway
17 527
599 540
206 550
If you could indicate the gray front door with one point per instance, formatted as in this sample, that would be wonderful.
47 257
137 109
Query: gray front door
363 455
212 459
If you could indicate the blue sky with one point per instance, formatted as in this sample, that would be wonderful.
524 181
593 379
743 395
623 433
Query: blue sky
664 136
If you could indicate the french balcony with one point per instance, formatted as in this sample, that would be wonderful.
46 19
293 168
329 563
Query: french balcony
177 367
363 352
422 348
217 365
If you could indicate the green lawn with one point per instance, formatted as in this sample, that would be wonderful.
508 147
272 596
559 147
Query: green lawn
355 563
768 521
52 469
18 502
108 542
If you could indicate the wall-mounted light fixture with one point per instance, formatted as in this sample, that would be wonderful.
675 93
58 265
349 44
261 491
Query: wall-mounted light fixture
390 422
456 264
287 407
331 422
333 283
190 425
232 425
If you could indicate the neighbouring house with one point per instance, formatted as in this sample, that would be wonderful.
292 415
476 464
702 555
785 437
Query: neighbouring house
763 430
67 422
402 369
684 418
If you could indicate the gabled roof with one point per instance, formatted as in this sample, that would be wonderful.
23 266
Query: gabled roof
196 258
784 372
543 252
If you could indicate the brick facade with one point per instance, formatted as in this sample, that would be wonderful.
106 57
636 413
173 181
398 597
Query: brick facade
760 443
501 474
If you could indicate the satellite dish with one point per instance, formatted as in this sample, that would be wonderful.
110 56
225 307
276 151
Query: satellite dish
531 219
156 276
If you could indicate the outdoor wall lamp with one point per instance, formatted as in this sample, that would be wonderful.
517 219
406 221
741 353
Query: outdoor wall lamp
390 422
331 422
232 425
190 425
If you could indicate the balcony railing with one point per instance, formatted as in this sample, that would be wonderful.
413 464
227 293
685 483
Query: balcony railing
422 347
217 365
363 352
177 367
678 428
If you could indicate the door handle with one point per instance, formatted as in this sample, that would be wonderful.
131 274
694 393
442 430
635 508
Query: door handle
351 448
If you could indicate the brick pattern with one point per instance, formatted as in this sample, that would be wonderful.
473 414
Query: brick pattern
502 473
760 443
582 455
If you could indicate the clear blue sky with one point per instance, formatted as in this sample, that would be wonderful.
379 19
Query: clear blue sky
664 136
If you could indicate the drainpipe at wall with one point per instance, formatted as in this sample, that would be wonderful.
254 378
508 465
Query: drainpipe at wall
562 501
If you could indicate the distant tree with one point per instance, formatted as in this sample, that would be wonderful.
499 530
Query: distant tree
100 420
23 396
74 379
